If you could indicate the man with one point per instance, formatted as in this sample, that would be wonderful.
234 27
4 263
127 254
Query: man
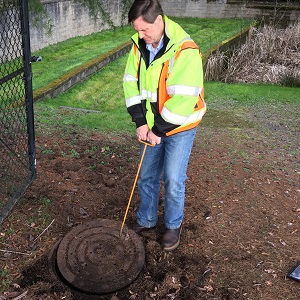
163 87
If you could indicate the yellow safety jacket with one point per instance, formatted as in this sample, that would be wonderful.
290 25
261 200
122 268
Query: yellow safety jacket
167 94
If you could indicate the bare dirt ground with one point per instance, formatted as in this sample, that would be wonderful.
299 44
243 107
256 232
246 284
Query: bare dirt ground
241 230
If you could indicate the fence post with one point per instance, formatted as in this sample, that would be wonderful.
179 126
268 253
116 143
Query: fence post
28 85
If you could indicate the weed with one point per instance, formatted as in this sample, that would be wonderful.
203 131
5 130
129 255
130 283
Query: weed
92 149
45 202
290 78
294 152
243 154
63 154
106 150
10 230
74 153
6 279
93 167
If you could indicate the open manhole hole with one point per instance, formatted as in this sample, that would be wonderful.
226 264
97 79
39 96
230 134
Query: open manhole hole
94 258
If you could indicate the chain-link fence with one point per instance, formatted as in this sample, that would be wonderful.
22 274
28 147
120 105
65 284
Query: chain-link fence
17 149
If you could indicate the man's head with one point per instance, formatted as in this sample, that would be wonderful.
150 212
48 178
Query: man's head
146 17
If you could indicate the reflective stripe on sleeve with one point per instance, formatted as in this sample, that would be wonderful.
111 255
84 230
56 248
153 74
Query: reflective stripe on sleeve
128 77
133 100
184 90
149 95
182 120
196 116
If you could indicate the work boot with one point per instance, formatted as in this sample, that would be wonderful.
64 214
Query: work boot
137 228
171 239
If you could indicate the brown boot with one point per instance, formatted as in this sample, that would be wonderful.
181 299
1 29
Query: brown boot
137 228
171 239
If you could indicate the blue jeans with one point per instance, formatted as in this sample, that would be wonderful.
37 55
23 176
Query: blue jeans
169 161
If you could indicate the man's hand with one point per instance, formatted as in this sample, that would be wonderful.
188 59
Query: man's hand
142 132
152 138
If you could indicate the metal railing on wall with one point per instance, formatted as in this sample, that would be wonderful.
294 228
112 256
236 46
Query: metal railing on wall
17 138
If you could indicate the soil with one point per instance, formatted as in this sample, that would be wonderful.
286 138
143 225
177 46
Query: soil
241 229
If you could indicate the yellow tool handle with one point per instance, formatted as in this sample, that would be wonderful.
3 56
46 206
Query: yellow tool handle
146 143
132 190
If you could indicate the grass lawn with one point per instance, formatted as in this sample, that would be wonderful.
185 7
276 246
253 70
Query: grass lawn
103 91
62 57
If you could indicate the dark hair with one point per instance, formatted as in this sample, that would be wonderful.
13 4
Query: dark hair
149 10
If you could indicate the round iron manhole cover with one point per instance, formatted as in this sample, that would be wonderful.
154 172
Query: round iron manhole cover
94 258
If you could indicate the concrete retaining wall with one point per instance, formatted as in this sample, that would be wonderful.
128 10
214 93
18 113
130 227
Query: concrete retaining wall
70 19
230 9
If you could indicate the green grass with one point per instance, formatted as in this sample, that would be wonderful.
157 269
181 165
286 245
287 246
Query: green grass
103 91
64 56
209 32
251 94
6 278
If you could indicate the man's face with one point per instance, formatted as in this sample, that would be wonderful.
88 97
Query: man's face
151 33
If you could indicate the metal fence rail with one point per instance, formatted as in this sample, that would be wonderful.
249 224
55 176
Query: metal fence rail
17 146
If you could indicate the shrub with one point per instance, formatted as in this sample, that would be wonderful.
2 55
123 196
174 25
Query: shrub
269 55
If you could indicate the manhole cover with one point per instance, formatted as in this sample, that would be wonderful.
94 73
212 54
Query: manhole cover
95 259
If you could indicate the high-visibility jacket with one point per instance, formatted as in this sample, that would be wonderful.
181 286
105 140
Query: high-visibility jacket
167 94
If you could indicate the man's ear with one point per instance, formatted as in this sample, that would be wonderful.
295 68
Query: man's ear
159 18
